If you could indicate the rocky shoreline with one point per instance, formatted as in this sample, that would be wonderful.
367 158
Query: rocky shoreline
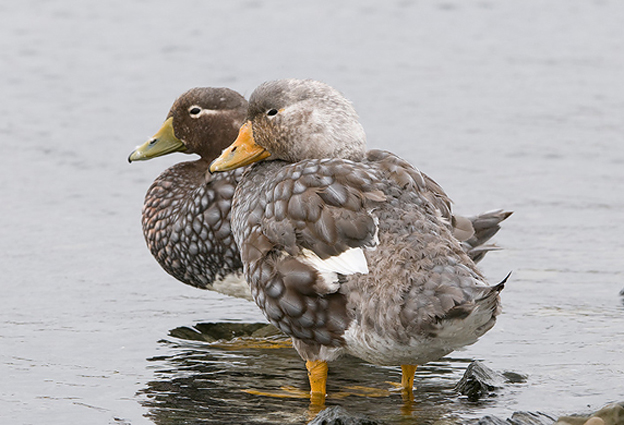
480 382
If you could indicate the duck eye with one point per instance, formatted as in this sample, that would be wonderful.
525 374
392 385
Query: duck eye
272 112
195 110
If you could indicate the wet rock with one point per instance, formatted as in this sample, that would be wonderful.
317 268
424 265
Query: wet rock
518 418
490 420
211 332
336 415
267 331
530 418
595 421
479 381
514 378
611 414
188 334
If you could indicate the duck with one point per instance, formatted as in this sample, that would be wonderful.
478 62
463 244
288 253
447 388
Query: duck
185 217
346 250
186 212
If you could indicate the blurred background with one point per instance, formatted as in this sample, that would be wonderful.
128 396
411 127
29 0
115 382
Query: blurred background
516 105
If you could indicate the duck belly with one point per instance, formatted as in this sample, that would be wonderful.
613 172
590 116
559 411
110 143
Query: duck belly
380 349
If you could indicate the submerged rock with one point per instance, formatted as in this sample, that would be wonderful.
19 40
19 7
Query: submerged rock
518 418
611 414
490 420
514 378
530 418
211 332
479 381
336 415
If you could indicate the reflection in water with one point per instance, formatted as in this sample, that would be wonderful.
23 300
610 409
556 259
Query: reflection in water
200 382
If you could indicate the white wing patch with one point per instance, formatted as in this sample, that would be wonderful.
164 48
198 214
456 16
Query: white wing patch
349 262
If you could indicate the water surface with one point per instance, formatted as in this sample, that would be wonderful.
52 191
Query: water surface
514 104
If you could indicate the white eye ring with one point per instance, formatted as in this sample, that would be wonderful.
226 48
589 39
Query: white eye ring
195 111
272 112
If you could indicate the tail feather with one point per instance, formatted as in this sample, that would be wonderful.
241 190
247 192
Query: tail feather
500 285
484 227
465 323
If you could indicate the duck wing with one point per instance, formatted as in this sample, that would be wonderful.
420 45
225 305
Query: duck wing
186 226
301 229
473 232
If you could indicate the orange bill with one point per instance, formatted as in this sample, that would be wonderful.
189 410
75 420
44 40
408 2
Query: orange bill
243 151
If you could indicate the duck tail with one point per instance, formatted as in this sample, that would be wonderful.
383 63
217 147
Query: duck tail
490 300
484 226
501 285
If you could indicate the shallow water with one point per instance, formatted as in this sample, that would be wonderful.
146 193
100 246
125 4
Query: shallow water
513 104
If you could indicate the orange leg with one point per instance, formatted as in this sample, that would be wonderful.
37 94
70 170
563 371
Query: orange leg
407 377
317 373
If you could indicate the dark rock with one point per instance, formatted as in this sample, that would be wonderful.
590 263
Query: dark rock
611 414
186 333
336 415
211 332
514 378
518 418
267 331
530 418
490 420
228 331
479 381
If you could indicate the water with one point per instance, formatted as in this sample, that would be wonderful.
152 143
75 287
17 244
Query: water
513 104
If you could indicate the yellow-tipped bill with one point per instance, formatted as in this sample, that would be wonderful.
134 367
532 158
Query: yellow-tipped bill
163 143
243 151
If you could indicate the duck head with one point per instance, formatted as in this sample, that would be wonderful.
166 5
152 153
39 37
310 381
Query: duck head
202 121
293 120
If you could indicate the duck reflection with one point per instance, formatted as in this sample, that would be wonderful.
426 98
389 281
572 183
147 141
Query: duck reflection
207 371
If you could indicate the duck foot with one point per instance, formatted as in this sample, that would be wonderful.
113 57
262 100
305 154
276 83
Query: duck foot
397 386
407 382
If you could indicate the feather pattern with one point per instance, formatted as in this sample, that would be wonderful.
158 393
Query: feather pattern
304 219
186 213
